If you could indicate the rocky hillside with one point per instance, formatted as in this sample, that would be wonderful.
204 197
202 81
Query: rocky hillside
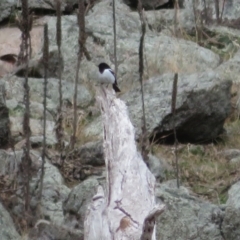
200 42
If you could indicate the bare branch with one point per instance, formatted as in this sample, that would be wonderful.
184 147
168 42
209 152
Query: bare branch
81 43
59 119
45 63
174 99
223 6
217 10
25 25
144 136
176 8
115 38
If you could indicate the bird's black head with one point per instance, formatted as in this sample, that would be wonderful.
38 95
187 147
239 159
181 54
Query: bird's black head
102 67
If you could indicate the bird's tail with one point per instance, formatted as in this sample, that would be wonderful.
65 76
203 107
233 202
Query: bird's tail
116 88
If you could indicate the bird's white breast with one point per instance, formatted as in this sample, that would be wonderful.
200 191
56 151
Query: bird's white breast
106 77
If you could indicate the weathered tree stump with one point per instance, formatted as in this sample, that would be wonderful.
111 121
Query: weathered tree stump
128 209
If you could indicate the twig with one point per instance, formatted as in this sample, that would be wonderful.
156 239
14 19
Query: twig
174 99
82 50
176 7
211 39
217 9
25 25
205 12
115 37
59 120
144 137
195 19
89 6
45 63
222 10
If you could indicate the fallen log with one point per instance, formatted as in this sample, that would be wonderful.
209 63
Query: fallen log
127 208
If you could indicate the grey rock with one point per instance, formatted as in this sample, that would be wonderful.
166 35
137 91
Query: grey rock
231 224
47 231
6 8
54 64
203 101
187 217
36 127
230 69
163 53
54 191
235 161
36 65
231 9
43 4
37 141
50 4
10 161
94 129
158 167
16 109
78 200
147 4
98 38
90 153
10 166
230 153
172 184
14 90
7 228
203 104
53 195
69 44
10 40
163 21
4 118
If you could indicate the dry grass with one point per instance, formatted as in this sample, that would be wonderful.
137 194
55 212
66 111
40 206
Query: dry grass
83 119
203 169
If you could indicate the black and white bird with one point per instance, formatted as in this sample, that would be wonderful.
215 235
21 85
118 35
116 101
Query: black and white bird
107 76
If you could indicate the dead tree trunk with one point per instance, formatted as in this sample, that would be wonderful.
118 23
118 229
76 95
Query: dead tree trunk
127 209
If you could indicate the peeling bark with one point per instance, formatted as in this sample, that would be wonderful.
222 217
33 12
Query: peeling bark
127 209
